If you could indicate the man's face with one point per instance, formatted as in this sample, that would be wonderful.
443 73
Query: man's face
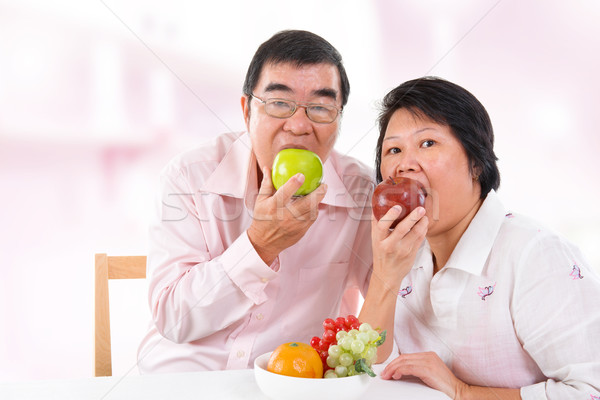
317 83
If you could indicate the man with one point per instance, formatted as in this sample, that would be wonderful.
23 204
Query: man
236 268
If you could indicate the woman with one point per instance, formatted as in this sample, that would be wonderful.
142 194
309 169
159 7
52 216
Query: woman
481 303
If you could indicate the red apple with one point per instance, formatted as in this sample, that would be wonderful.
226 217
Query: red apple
406 192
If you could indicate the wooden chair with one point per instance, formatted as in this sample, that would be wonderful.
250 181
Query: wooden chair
126 267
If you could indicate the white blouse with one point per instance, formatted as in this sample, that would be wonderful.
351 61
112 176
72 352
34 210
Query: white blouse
516 306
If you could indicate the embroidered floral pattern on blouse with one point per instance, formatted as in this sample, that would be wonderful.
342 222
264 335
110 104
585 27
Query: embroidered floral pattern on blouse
509 215
486 291
576 273
405 292
594 397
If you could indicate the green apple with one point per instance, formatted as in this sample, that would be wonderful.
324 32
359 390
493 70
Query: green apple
289 162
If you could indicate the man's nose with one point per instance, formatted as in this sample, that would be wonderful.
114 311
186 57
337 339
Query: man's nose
299 123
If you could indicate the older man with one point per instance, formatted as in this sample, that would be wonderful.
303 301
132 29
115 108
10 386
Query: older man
236 267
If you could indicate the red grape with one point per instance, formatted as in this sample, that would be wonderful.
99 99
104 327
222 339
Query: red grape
328 324
341 322
329 336
323 354
351 319
314 342
323 345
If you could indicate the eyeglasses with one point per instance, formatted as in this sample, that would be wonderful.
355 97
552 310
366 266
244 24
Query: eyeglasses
316 112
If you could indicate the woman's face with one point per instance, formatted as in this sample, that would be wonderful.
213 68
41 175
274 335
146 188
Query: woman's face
418 148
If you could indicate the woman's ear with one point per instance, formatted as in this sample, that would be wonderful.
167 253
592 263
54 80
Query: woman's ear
476 172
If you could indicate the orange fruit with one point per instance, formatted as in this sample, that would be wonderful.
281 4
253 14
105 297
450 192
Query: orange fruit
296 359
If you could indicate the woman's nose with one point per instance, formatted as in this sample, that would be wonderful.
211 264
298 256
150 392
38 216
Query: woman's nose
407 162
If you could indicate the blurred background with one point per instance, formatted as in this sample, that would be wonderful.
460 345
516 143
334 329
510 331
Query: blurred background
96 96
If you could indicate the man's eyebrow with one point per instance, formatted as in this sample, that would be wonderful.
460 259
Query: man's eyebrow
280 87
274 87
325 92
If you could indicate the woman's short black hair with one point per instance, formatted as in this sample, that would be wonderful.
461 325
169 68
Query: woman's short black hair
447 104
299 48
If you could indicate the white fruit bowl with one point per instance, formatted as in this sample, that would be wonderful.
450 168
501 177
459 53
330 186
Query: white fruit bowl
281 387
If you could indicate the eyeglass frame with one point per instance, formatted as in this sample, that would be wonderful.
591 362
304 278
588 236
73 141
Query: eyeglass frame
297 105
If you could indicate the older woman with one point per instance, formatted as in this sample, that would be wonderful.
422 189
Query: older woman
481 303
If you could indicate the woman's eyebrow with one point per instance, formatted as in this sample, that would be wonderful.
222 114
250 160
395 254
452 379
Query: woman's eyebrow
414 133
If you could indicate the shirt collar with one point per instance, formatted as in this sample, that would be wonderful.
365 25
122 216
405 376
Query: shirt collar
337 193
236 176
475 245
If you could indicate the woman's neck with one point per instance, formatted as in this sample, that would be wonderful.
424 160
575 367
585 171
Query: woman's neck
442 245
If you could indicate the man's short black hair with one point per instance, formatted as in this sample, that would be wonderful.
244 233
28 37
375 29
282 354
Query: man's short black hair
299 48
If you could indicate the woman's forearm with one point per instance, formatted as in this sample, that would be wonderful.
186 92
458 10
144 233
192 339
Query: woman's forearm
378 310
469 392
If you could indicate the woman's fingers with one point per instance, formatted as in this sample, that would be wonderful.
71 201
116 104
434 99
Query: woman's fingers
408 364
383 225
428 367
408 223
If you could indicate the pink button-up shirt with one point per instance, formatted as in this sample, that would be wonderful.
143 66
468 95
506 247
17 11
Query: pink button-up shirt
215 304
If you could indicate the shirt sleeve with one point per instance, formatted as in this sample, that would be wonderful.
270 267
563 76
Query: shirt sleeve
193 293
557 319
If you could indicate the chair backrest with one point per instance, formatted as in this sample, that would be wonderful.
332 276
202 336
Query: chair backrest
125 267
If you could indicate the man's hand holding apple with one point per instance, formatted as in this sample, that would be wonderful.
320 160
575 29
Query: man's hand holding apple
280 218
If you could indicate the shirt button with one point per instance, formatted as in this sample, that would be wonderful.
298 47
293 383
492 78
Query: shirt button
264 280
241 353
259 316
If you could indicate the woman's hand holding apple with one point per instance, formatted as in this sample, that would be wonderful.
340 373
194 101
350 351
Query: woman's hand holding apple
394 253
395 250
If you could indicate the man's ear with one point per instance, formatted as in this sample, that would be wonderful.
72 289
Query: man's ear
245 101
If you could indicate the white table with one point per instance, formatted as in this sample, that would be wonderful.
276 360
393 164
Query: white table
237 384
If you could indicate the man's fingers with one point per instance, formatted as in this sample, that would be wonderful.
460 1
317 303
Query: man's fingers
285 192
266 186
309 203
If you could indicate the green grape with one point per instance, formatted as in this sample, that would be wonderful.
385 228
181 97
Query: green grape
363 337
332 361
341 371
346 359
340 335
353 333
330 374
373 335
357 346
370 353
351 371
335 350
365 327
346 342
